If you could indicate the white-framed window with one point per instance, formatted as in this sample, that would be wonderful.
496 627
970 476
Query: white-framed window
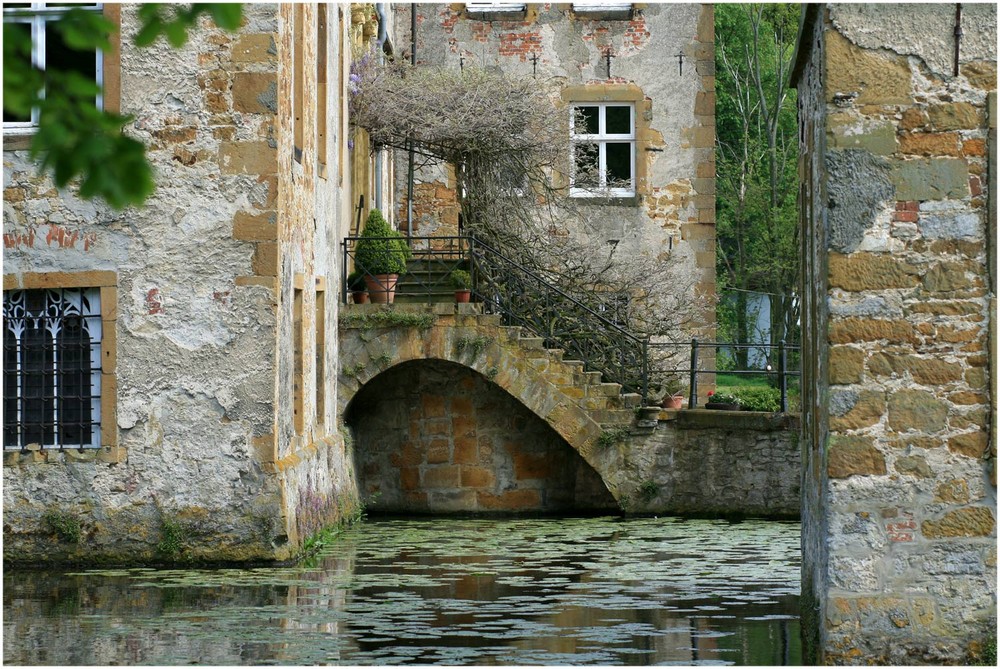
52 368
49 49
494 7
603 161
601 7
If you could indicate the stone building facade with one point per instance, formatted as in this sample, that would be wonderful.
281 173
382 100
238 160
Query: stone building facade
655 60
209 313
898 174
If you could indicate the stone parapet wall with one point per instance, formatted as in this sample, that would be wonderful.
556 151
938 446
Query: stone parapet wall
898 308
720 464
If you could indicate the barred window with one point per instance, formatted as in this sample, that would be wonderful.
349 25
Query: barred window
52 368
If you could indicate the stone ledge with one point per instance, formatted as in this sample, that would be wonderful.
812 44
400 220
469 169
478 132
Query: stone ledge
760 421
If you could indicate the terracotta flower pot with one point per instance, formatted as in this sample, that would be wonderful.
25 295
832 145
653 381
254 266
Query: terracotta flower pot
673 402
360 296
381 287
463 296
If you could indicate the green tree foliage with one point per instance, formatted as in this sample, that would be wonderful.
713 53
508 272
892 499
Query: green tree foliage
75 139
756 154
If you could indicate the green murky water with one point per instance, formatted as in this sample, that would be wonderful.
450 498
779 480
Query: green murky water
517 591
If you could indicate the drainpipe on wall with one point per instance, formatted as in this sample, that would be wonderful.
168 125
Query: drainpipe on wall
380 155
409 177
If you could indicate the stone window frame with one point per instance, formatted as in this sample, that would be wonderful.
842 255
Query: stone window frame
605 11
322 45
298 83
320 353
496 11
106 282
298 355
614 92
18 138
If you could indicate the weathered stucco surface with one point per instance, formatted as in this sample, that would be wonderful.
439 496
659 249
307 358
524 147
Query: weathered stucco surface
672 217
899 505
204 295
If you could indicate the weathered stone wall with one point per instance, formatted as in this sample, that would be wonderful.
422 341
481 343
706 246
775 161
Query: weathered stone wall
718 463
672 217
435 437
306 449
200 327
900 507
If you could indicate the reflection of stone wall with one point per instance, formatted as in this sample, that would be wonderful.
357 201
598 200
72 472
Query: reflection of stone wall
900 505
432 437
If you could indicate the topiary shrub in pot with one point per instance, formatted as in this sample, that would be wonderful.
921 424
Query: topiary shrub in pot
381 253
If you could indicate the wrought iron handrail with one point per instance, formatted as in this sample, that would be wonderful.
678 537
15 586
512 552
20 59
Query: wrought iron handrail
432 261
525 298
780 370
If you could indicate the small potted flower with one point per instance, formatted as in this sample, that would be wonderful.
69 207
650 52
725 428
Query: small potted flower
673 401
673 394
356 285
461 281
722 401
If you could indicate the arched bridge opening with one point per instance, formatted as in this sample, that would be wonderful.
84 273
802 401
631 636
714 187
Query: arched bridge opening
433 436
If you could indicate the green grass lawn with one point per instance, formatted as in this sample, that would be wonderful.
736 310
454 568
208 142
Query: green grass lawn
730 383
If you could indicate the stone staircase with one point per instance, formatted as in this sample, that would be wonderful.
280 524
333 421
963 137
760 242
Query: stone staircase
605 402
427 280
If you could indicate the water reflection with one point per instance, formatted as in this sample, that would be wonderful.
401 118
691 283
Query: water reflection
444 591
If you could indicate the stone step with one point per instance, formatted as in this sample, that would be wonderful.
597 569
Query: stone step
608 389
632 399
531 343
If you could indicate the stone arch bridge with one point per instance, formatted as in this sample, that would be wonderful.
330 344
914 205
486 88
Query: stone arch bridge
589 415
548 435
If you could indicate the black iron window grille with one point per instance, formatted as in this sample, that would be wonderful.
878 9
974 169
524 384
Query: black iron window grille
52 368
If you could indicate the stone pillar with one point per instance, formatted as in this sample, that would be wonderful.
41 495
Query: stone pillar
899 519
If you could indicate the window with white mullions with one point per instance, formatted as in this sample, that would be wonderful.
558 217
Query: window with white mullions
48 48
52 368
603 149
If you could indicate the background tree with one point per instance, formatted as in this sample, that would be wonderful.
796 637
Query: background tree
75 139
756 158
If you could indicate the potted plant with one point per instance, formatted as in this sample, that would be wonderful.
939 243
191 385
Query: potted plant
381 253
674 401
356 284
461 281
722 401
673 397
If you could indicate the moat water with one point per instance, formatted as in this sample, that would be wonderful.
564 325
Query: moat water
541 591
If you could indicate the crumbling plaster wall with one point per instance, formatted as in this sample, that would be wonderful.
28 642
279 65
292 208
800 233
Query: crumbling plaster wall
673 216
198 317
899 510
